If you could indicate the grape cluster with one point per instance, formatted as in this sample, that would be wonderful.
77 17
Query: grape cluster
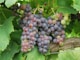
40 31
28 24
43 43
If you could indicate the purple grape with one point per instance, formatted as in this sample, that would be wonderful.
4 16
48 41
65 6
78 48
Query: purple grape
46 41
44 25
44 50
40 49
59 29
55 26
50 37
40 31
55 40
46 47
58 23
52 29
63 36
39 44
56 33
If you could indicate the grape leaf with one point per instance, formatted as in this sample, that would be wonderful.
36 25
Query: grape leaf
69 54
76 26
52 57
76 4
4 14
15 36
64 3
76 53
5 30
9 3
1 1
18 57
8 54
24 1
68 10
35 55
64 6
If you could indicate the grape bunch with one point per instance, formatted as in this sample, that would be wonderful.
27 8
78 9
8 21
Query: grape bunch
40 31
43 43
29 26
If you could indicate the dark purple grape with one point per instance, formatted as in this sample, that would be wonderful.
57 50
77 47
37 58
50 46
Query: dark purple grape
44 25
52 29
39 40
55 26
59 29
58 23
46 28
37 35
49 30
61 26
40 49
40 31
43 20
45 50
34 29
34 24
39 44
46 47
63 36
55 40
56 33
46 41
50 38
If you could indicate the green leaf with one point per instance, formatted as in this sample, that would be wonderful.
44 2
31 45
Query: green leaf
8 26
76 4
5 31
9 3
15 36
18 57
52 57
4 14
69 54
64 3
35 55
76 53
66 55
1 1
76 26
24 0
11 50
68 10
64 6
